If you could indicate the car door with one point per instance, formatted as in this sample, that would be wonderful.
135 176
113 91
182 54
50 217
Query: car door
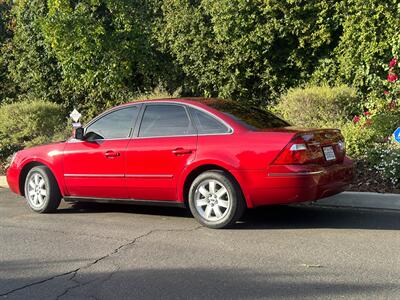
96 168
164 143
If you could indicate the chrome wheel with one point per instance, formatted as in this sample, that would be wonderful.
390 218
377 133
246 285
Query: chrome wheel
37 191
212 200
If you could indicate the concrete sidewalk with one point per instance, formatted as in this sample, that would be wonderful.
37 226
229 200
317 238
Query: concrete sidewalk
3 182
346 199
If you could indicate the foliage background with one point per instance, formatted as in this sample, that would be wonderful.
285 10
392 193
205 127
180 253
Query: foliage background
91 54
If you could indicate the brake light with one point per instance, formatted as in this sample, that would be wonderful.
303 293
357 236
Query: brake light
299 152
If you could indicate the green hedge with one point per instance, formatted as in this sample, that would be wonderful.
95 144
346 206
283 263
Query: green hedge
28 123
317 106
325 107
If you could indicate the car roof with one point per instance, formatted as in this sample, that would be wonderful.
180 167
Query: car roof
199 102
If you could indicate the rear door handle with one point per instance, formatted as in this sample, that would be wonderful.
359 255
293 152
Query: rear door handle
111 154
181 151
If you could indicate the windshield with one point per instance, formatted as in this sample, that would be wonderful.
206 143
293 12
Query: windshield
251 117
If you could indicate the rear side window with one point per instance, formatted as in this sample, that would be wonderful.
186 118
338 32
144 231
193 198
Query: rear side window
251 117
115 125
165 120
207 124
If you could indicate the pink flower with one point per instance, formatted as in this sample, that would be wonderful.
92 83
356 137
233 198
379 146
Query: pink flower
367 113
392 77
393 62
356 119
386 93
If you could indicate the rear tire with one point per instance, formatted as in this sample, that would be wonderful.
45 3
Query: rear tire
41 190
215 199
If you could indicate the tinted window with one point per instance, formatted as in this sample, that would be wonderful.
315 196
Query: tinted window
252 117
165 120
207 124
116 124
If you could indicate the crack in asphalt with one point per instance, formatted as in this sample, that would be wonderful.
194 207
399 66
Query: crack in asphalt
76 271
79 285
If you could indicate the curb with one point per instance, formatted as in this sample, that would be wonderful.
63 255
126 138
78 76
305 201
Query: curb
362 200
3 182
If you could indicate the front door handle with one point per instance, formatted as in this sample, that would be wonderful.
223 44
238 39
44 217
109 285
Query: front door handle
181 151
111 154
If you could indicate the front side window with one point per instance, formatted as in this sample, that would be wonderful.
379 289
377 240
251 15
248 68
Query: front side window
116 124
207 124
165 120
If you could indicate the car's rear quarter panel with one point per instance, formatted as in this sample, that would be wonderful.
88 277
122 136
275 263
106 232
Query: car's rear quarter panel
249 150
246 155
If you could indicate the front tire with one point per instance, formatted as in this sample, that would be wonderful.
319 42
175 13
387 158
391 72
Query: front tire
215 199
41 190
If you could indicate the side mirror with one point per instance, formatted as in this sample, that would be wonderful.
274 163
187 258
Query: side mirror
92 137
79 133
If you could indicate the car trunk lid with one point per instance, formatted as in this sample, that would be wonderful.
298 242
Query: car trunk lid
318 146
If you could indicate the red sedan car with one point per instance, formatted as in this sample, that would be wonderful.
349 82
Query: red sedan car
215 156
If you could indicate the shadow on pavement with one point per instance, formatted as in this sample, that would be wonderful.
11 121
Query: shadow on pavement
268 217
192 283
292 217
89 208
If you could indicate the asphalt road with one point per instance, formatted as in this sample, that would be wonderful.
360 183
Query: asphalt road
104 251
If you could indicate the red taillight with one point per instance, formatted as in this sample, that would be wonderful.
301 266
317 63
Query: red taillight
299 152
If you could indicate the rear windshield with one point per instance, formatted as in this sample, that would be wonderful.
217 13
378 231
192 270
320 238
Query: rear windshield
251 117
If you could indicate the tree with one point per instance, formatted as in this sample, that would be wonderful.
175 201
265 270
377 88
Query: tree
370 31
31 65
6 85
103 48
248 50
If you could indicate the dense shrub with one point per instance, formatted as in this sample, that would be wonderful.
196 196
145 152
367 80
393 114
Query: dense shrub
376 125
367 130
369 37
385 158
158 92
319 106
30 64
247 50
28 123
92 54
337 107
105 50
84 54
6 34
385 123
359 139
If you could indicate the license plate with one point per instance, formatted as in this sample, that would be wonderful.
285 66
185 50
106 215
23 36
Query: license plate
329 153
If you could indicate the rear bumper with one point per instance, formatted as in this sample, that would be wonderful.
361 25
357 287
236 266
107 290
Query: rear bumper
290 184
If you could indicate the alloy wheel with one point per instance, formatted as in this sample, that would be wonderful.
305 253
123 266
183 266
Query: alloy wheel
37 190
212 200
